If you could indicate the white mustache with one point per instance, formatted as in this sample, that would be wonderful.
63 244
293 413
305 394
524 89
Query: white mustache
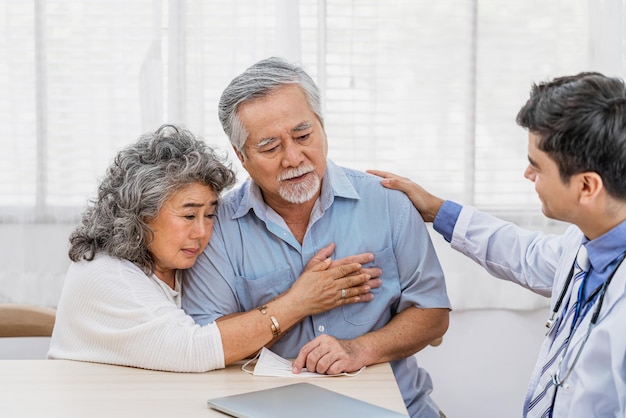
295 172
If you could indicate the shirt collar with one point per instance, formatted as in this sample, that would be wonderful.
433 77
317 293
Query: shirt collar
607 248
334 184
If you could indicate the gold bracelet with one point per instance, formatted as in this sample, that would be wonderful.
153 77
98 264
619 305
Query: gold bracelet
274 325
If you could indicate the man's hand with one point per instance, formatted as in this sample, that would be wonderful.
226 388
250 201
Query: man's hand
407 333
328 355
321 287
323 254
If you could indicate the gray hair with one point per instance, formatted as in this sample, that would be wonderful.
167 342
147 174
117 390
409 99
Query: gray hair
258 81
138 182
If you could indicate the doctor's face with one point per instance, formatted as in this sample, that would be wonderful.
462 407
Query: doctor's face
286 147
559 200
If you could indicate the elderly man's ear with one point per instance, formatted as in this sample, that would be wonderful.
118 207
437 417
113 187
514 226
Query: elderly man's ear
239 154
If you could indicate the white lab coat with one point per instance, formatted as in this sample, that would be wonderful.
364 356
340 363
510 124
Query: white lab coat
596 386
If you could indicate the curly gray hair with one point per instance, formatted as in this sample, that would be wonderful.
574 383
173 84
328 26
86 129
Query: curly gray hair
137 183
258 81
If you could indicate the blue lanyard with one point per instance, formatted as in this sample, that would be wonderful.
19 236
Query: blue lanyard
551 322
583 306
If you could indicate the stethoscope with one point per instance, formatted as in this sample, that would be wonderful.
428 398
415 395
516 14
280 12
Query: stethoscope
556 378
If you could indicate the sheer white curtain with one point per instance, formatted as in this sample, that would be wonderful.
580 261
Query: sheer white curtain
427 89
72 78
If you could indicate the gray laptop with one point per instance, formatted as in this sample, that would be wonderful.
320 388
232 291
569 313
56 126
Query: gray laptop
302 400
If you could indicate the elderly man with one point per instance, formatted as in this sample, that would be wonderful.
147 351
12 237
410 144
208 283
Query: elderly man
295 203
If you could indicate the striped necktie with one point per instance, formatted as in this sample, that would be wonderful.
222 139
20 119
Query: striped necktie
541 403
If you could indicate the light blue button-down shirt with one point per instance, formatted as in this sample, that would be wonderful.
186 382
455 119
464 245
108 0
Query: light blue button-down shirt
253 257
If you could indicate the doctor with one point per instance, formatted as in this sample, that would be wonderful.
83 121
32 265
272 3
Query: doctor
577 160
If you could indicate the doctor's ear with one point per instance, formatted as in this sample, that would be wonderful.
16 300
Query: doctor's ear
591 185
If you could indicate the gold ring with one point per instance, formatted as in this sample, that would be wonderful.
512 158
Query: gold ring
343 293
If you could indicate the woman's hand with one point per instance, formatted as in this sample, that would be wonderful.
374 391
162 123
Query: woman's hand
325 284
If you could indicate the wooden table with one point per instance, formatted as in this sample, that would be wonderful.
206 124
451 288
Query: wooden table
62 388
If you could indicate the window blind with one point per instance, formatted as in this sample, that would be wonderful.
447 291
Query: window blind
427 89
70 77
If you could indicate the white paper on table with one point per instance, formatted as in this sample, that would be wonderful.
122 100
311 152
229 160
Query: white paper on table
271 364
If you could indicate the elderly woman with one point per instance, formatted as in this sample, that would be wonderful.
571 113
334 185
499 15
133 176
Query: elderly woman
152 217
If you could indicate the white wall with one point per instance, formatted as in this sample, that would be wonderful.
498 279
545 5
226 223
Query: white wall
33 260
24 348
483 366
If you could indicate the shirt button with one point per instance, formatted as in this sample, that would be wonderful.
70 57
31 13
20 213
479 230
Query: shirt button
320 328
